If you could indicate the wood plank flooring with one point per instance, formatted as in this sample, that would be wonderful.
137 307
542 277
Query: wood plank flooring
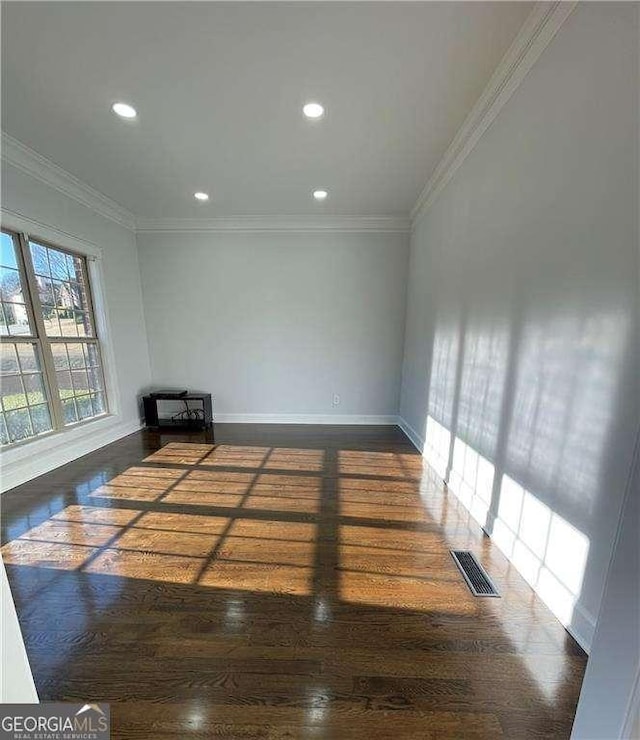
286 582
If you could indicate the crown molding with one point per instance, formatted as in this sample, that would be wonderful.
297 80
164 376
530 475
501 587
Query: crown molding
26 159
23 158
275 224
538 30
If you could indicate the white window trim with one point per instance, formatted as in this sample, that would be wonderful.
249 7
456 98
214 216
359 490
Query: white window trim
38 229
57 438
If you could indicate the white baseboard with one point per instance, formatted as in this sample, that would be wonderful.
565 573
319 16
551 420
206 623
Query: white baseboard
582 627
25 462
386 419
415 438
632 720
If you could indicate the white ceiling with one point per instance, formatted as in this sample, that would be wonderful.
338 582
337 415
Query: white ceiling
219 87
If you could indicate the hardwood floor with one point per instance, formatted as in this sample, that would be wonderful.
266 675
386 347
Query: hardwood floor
290 582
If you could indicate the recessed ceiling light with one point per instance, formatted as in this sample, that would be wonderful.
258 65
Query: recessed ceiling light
201 196
124 110
313 110
320 194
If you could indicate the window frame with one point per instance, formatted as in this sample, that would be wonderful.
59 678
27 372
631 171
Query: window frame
43 343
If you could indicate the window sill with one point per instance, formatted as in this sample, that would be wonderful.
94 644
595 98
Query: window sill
53 433
30 458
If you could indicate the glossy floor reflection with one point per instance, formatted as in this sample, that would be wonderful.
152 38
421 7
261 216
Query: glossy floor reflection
285 582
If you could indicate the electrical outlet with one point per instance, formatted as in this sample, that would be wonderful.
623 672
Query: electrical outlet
336 399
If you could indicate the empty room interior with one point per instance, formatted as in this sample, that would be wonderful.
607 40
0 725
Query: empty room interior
320 370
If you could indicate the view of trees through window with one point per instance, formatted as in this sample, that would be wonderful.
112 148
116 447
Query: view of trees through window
50 367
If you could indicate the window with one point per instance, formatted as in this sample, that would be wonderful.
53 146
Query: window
50 366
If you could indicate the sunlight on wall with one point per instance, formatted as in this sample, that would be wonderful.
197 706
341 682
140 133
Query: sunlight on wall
446 349
484 367
517 426
565 389
471 476
436 446
471 479
550 553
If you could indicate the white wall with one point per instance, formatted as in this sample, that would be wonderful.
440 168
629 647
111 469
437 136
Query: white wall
609 704
276 323
520 362
16 681
59 215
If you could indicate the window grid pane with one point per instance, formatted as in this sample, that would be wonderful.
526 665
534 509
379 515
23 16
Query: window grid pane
7 251
40 418
24 410
29 358
70 413
15 316
16 319
60 277
18 424
13 393
9 359
79 380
